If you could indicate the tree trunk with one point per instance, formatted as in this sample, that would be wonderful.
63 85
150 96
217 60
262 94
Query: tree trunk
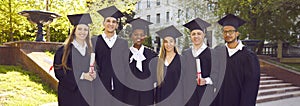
279 49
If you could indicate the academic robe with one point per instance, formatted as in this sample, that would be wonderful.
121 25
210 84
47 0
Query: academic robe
141 98
205 62
105 67
241 80
172 75
68 91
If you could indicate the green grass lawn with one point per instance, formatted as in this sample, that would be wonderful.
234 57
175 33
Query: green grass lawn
23 88
50 53
295 65
292 66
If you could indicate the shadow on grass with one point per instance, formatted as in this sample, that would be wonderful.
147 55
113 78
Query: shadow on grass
32 76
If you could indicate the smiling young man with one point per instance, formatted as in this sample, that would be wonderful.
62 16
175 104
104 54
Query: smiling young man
104 45
240 83
200 51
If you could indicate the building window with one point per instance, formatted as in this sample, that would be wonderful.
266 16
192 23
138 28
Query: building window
148 18
158 18
139 5
179 13
167 1
157 2
168 16
148 3
187 13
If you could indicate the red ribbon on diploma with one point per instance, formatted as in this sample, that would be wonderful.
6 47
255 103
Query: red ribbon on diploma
199 76
50 68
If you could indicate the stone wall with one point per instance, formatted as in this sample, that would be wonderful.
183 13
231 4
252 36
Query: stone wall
8 55
35 46
15 53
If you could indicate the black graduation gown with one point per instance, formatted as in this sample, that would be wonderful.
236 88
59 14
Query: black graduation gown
68 92
171 80
105 68
205 61
141 98
241 80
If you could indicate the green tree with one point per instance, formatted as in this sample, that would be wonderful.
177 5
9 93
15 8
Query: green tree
270 20
126 6
16 27
60 28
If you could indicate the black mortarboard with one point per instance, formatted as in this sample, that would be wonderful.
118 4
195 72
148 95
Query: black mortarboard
76 19
169 31
111 11
231 20
197 24
140 24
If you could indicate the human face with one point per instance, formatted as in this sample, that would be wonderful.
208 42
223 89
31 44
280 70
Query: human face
197 36
110 24
169 44
81 32
138 36
230 34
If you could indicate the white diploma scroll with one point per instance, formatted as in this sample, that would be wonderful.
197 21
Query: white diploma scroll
198 68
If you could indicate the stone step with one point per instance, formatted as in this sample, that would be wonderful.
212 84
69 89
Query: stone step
277 90
269 86
267 98
264 82
267 78
263 74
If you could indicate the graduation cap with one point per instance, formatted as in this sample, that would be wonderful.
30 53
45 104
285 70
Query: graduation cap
197 24
111 11
140 24
76 19
169 31
231 20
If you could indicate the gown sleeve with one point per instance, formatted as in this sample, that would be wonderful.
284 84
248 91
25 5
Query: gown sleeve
64 77
251 81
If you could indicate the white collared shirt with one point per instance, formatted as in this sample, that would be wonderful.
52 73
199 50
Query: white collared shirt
137 54
81 49
110 42
233 51
166 63
199 51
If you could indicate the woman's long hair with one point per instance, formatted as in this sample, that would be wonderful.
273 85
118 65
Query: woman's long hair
160 63
67 48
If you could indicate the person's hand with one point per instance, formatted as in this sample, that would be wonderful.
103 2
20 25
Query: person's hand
201 81
88 77
92 72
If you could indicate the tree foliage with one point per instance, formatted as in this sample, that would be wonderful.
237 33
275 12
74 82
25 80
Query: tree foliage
125 6
269 20
16 27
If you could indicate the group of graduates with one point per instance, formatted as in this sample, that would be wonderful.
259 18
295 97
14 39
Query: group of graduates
103 70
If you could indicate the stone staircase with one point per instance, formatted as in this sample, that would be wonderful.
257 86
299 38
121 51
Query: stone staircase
271 89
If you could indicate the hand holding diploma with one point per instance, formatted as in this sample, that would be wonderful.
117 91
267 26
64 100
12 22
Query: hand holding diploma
91 75
92 67
200 80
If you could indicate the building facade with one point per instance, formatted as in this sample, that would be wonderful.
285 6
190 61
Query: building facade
163 13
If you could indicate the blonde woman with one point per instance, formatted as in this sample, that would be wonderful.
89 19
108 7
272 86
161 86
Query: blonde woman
168 66
72 63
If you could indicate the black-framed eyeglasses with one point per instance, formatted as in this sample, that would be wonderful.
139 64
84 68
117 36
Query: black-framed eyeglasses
230 32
